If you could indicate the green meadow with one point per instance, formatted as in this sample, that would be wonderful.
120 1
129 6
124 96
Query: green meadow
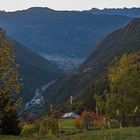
110 134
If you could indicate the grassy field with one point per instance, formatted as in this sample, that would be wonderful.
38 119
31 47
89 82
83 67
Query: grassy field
67 125
111 134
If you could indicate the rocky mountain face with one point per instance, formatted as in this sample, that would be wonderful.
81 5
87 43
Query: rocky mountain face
64 37
36 103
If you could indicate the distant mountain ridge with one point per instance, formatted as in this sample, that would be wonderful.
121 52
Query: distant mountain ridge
90 77
130 12
67 34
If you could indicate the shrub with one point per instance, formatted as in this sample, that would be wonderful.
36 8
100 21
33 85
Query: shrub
114 123
79 123
28 129
50 133
47 125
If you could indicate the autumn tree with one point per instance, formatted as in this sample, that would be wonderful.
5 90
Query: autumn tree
124 80
89 120
9 86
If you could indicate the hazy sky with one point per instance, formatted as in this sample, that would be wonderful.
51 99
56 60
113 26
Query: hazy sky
12 5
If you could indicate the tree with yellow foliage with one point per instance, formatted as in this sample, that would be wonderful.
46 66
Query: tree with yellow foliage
9 86
124 80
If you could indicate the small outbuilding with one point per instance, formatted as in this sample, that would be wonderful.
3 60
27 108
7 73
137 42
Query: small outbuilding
70 115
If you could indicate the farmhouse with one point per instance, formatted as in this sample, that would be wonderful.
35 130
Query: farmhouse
70 115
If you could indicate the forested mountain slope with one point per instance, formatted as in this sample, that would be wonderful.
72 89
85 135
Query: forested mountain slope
90 77
35 70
